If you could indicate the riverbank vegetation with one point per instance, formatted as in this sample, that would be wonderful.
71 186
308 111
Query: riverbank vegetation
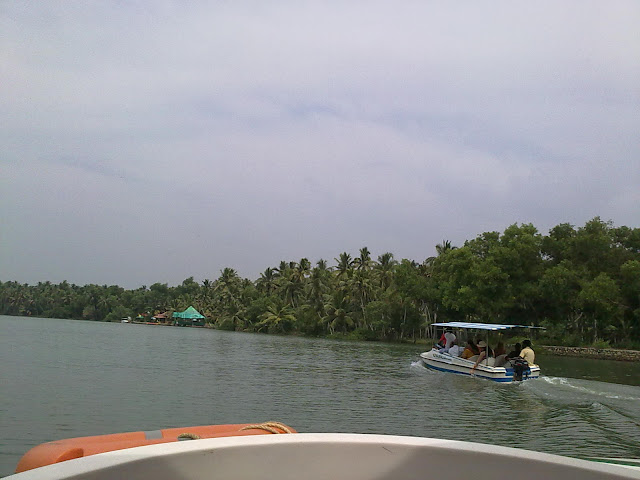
582 284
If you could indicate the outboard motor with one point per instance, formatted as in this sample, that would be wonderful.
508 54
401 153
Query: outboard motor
520 368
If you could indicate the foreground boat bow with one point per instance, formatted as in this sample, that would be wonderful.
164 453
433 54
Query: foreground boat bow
319 456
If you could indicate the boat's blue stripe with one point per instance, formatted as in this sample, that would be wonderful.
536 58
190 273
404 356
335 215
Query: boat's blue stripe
508 379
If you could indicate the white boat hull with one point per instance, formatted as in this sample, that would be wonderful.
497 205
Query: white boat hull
322 456
447 363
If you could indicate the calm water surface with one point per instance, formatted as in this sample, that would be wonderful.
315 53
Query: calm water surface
65 378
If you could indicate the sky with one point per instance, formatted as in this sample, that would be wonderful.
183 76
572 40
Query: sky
148 142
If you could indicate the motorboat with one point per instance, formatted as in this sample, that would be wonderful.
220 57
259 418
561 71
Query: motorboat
319 456
445 362
440 359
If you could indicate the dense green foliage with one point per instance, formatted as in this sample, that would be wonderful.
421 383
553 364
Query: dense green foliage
582 284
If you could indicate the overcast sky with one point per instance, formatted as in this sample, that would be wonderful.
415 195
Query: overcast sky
148 142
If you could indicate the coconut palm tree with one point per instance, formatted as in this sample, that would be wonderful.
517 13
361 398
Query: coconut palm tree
304 266
276 319
292 288
337 312
444 247
228 290
384 269
281 268
267 282
318 285
441 249
322 264
363 262
345 264
361 289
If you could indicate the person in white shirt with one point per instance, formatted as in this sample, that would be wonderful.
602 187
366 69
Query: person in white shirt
455 350
449 339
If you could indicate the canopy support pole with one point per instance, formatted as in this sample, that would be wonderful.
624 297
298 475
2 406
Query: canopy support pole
486 356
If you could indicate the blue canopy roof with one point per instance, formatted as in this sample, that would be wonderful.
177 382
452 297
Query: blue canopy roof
480 326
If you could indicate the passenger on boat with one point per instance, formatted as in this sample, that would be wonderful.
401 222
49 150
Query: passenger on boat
484 351
527 352
470 350
517 348
455 350
449 339
501 355
483 346
507 363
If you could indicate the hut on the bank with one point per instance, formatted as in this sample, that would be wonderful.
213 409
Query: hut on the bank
189 318
161 317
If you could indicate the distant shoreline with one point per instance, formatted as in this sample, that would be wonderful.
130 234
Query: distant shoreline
591 352
561 351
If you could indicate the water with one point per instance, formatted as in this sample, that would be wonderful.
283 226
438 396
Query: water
65 378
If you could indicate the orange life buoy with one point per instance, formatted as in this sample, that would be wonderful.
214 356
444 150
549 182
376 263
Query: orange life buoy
70 448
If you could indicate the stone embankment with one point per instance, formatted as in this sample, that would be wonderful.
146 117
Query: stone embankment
590 352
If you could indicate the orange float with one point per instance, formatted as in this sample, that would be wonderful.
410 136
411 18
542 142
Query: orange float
70 448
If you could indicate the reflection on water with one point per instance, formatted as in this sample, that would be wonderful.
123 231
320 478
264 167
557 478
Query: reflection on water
71 378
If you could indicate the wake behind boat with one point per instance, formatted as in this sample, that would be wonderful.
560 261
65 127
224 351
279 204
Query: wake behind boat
511 371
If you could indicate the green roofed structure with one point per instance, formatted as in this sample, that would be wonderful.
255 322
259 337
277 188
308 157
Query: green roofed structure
190 317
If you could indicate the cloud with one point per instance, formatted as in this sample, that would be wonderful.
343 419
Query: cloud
151 142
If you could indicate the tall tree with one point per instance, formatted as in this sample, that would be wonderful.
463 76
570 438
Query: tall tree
345 264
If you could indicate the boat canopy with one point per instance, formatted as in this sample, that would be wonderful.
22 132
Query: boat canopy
480 326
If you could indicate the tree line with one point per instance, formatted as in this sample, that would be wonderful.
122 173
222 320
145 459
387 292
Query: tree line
581 284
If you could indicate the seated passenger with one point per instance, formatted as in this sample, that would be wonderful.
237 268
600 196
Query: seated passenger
470 350
485 351
486 347
515 352
449 339
500 354
511 355
455 350
527 352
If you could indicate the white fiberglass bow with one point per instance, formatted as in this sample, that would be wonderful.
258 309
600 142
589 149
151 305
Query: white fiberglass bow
321 456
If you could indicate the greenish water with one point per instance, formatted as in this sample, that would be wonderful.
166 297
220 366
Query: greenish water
65 378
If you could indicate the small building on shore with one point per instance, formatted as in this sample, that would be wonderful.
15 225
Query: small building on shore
161 317
189 318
